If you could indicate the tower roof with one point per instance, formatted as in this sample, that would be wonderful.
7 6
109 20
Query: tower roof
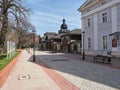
63 25
63 28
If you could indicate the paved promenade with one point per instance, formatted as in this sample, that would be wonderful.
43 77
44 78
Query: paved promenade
58 71
83 74
28 76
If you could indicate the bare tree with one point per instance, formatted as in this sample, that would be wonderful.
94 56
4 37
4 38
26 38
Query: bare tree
24 33
10 8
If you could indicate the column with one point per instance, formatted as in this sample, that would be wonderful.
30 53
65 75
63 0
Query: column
95 32
83 29
114 22
114 18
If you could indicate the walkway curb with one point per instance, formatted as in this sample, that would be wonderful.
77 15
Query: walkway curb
4 73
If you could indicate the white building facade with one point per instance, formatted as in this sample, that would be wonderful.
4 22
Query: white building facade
101 24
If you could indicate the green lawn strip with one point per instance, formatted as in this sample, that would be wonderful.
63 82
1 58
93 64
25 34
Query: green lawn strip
4 61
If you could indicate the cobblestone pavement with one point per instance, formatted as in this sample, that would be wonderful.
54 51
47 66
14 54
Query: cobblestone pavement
85 75
115 62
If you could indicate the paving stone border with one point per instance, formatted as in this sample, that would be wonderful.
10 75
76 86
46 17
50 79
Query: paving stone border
4 73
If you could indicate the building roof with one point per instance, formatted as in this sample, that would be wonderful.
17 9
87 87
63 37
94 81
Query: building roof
87 4
57 37
50 36
50 33
115 33
75 31
63 34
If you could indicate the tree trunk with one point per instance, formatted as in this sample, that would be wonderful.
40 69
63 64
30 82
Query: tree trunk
4 30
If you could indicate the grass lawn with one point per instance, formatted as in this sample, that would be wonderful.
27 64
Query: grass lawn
4 61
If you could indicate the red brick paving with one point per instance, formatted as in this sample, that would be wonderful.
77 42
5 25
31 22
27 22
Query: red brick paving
57 78
4 73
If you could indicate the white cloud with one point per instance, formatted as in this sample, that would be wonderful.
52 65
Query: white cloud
48 16
49 20
42 17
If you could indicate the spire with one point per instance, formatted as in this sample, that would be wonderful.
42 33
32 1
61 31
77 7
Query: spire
63 20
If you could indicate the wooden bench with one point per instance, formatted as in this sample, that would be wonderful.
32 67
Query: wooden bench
102 58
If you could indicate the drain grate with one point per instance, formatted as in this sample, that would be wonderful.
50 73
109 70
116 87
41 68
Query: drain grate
24 77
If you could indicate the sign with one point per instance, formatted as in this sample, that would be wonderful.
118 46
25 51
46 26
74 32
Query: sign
10 49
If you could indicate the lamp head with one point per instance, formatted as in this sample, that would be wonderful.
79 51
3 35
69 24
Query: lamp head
83 32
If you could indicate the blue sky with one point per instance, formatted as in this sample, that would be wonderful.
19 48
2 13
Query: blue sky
47 15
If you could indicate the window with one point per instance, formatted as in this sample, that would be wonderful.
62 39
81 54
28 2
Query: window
104 17
88 22
89 43
114 41
105 42
88 10
103 2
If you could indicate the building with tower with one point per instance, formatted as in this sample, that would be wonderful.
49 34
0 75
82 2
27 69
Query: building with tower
65 41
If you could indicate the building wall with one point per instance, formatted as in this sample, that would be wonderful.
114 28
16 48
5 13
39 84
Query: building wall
58 47
118 18
98 29
73 49
104 29
65 44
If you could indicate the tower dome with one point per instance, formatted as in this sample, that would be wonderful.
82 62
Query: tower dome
64 26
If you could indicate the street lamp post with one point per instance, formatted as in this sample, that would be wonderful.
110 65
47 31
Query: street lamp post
33 31
83 47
